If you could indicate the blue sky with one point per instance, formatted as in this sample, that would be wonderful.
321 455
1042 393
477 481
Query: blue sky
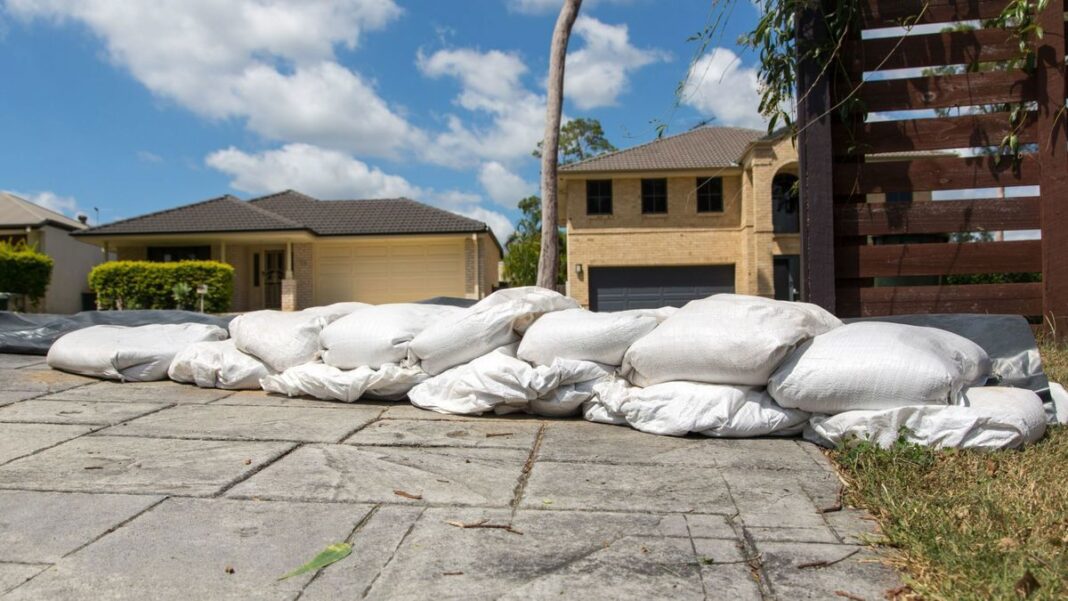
131 106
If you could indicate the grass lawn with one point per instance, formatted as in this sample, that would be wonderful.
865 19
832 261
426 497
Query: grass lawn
971 525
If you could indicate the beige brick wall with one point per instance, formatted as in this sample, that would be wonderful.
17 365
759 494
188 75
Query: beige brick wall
741 236
303 262
486 260
491 258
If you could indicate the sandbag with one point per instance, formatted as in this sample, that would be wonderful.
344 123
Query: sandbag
583 336
281 339
34 333
336 310
678 408
495 321
1057 406
389 382
217 364
991 417
605 405
138 354
500 383
724 339
376 335
875 366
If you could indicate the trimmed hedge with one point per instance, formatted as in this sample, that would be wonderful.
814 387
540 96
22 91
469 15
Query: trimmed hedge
149 285
24 270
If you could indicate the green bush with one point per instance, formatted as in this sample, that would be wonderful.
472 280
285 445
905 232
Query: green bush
148 285
24 270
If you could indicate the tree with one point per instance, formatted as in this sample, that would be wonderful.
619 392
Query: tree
549 259
580 139
524 245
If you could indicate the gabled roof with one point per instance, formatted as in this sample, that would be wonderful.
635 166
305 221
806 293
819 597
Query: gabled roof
702 148
291 210
16 211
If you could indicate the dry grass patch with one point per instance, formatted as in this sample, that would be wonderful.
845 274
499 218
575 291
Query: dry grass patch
971 525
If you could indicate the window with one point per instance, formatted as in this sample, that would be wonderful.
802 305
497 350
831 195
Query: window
786 206
899 196
599 197
256 270
171 254
654 195
709 195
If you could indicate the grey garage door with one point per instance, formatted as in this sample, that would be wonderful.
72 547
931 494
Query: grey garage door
619 288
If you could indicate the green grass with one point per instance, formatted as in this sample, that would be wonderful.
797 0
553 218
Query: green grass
970 525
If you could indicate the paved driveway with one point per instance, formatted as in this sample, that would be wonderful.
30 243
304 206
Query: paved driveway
163 491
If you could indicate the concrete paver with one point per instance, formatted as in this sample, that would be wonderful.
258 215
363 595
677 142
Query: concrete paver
17 361
186 483
42 527
219 422
139 465
74 412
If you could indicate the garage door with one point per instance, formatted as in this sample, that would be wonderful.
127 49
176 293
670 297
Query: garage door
619 288
388 272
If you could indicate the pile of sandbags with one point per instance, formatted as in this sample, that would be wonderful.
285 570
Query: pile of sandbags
284 339
377 335
217 364
130 354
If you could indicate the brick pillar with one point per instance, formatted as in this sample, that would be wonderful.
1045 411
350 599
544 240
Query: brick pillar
289 295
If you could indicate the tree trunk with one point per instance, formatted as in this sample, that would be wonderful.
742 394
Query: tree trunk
548 261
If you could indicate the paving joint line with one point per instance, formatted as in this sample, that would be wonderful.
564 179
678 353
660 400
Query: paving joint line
252 472
748 547
351 538
361 427
524 475
389 560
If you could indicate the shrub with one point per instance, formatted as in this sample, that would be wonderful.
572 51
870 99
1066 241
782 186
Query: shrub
148 285
24 270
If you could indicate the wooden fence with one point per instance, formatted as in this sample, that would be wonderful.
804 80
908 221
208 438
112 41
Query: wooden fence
866 255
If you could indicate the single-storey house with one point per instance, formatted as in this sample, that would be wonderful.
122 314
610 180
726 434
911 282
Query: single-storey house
290 251
50 232
715 209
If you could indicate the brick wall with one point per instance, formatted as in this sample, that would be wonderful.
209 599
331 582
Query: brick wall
303 267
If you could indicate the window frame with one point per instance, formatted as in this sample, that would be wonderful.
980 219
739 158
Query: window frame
654 202
598 197
704 185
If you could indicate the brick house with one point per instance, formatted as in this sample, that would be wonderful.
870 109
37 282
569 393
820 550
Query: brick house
710 210
291 251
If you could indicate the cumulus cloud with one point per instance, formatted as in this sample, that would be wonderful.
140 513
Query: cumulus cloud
269 62
65 205
599 71
491 84
331 174
503 187
719 86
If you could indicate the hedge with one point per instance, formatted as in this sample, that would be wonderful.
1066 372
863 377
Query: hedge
149 285
24 270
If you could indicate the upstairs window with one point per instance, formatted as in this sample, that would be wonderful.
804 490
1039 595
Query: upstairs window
899 196
599 197
654 196
709 195
786 206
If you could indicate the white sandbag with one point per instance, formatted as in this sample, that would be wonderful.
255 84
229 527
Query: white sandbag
991 417
724 339
1057 407
495 321
138 354
336 310
217 364
281 339
605 405
583 336
376 335
389 382
872 365
501 383
678 408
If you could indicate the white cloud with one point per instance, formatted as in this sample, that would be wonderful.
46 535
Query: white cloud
719 86
146 156
490 85
599 72
269 62
504 187
65 205
331 174
544 7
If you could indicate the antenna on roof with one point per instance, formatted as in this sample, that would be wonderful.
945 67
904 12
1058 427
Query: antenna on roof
97 211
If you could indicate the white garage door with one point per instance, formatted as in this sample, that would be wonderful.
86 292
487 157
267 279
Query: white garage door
388 272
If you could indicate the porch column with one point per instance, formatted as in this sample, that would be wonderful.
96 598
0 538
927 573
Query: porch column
222 252
289 285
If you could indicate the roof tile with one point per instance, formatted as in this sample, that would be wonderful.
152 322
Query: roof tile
702 148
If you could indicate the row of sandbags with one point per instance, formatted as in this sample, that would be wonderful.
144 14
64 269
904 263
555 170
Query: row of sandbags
727 365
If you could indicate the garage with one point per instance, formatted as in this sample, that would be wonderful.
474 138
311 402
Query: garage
390 271
620 288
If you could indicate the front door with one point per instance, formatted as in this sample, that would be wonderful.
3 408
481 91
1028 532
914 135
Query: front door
273 272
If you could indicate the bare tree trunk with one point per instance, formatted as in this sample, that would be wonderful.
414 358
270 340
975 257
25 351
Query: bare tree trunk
550 244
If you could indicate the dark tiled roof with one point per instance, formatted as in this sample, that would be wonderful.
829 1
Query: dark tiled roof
291 210
702 148
366 217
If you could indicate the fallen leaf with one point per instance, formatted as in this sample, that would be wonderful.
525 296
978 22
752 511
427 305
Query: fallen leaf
407 495
333 553
492 434
452 573
230 570
484 524
248 462
546 501
850 596
1026 585
93 467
